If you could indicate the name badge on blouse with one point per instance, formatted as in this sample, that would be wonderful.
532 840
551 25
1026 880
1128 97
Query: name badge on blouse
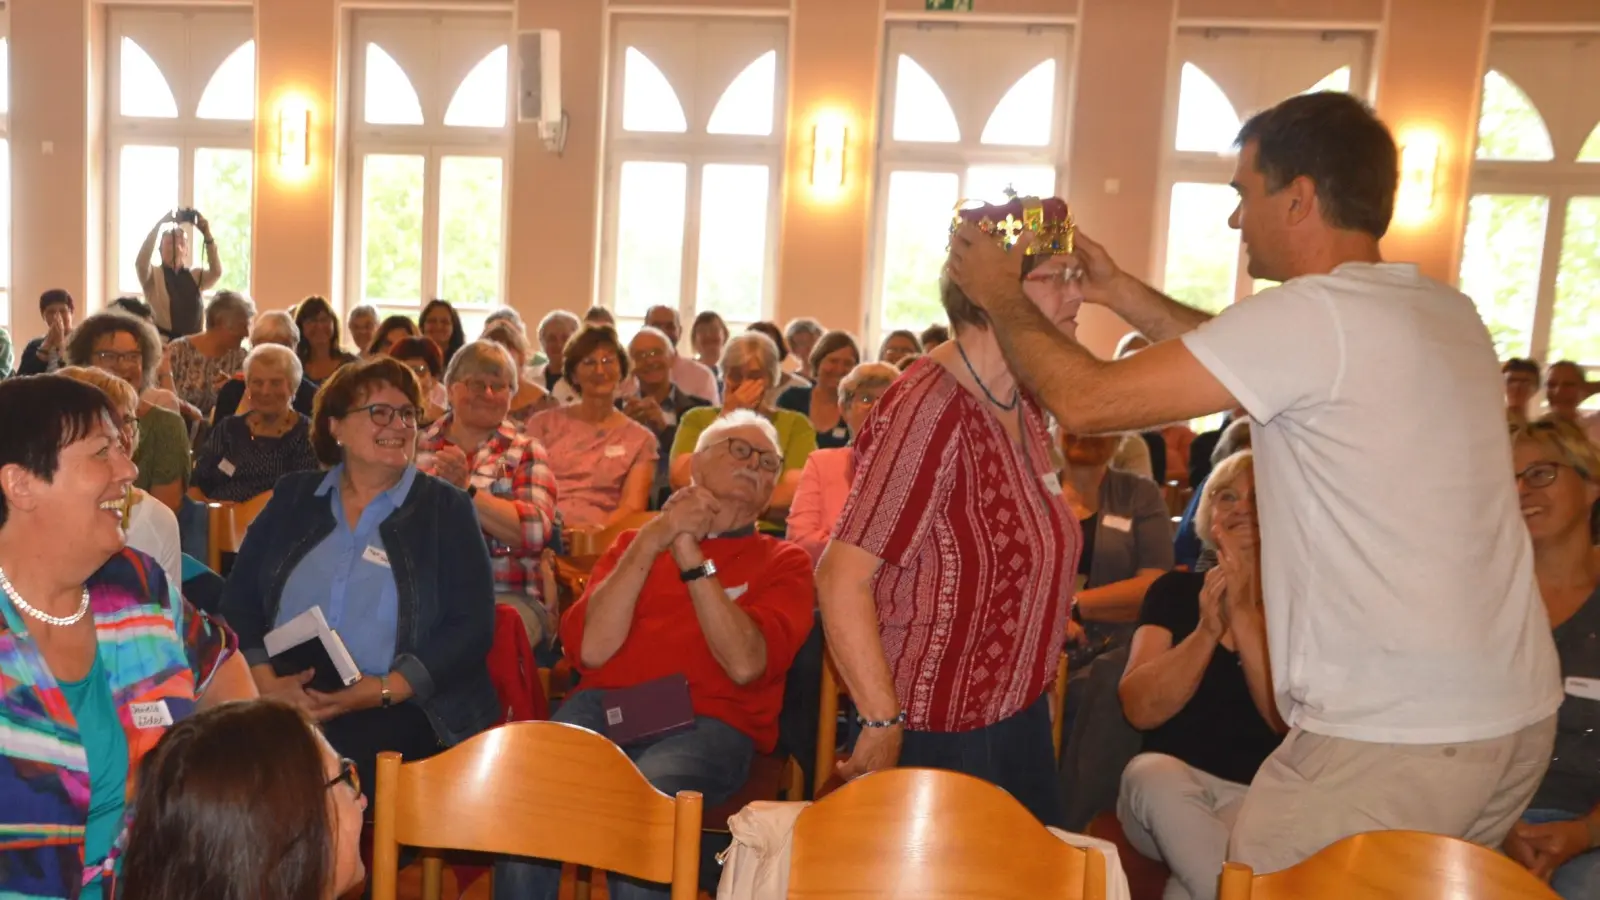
840 433
151 715
375 556
616 451
669 417
1052 483
1587 688
1117 523
226 468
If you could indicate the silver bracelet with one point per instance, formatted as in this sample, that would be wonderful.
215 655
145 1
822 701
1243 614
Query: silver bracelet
886 723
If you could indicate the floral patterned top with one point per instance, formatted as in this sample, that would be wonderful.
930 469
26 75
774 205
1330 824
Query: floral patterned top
196 377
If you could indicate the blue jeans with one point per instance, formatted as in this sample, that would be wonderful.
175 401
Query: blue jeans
712 757
1579 878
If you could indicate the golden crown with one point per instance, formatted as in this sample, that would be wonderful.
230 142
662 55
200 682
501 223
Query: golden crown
1049 220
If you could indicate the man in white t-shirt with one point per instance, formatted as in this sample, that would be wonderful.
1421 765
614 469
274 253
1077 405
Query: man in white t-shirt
1411 654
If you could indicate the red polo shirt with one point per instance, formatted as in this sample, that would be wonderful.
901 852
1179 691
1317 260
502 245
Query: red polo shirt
769 579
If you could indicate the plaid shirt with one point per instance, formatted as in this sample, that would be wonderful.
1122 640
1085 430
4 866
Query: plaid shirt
512 466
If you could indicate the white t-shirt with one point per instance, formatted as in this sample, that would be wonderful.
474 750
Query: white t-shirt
153 530
1397 572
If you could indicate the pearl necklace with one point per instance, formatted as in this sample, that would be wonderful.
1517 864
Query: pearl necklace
22 605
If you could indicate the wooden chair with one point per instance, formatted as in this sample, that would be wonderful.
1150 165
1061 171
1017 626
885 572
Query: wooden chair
227 524
587 804
1391 865
927 833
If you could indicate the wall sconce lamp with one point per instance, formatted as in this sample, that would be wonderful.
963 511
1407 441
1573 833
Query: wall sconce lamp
1419 172
294 136
828 138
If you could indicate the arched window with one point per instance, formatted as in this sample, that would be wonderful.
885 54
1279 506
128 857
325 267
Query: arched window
1207 122
1022 117
181 134
921 111
1510 127
694 151
430 141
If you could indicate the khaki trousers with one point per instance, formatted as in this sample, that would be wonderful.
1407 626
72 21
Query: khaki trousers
1315 790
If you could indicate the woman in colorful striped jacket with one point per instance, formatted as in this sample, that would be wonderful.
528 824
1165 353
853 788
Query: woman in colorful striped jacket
99 655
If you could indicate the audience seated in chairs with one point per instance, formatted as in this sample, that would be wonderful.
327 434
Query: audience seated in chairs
604 462
271 327
660 403
750 369
478 449
130 349
151 527
834 356
1199 685
698 592
396 561
1558 478
244 456
825 481
246 800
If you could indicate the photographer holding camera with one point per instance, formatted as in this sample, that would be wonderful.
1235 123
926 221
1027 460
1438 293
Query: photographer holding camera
173 291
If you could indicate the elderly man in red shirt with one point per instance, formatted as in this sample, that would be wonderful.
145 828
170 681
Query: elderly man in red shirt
697 593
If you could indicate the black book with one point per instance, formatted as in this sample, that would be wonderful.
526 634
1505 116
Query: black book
306 642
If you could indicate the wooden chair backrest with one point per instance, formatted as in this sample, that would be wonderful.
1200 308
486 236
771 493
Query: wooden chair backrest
1391 865
228 523
927 833
540 789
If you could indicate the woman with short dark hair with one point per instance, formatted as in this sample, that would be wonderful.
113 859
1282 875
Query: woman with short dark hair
100 653
245 802
426 361
320 350
391 331
707 336
131 349
833 356
441 324
396 561
48 353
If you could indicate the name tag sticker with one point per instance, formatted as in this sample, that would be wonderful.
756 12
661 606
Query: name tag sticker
670 417
614 716
226 468
376 556
841 432
736 591
1587 688
1052 483
1117 523
151 715
616 451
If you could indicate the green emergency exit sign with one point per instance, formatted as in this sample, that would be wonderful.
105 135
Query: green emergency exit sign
959 5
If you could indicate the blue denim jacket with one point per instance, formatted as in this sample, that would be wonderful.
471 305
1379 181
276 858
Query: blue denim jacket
441 569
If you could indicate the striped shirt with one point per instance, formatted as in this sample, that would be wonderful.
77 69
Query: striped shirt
978 551
159 652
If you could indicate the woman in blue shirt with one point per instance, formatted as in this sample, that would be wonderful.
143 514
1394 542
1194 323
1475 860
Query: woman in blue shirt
397 563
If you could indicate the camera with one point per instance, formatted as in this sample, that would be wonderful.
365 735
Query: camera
187 215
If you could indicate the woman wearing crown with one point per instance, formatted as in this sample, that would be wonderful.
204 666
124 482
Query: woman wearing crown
946 587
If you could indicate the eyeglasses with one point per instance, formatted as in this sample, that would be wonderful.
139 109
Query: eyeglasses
644 356
483 386
1228 497
1542 474
737 377
741 450
113 358
419 369
347 775
598 362
864 399
383 413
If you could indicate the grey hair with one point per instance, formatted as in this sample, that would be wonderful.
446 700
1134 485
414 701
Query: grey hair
1235 437
364 309
482 357
229 304
1224 475
275 327
504 314
739 418
803 325
280 357
864 377
559 315
741 346
656 333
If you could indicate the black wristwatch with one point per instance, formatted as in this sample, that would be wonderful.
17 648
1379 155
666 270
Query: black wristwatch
704 570
472 491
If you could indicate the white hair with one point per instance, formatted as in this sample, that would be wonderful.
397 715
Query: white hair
364 309
504 314
275 327
760 347
482 357
739 418
804 325
655 332
562 316
279 357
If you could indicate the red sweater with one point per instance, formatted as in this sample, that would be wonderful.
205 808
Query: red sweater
769 579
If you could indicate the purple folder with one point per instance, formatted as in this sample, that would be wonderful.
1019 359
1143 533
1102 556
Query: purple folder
648 711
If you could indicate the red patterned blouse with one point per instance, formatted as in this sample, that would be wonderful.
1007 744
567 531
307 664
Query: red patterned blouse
978 551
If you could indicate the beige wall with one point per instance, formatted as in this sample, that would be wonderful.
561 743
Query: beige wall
1428 62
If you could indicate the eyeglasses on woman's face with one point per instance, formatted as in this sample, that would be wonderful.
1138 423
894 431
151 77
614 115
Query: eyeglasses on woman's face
1542 474
741 450
384 414
480 386
598 362
348 775
108 359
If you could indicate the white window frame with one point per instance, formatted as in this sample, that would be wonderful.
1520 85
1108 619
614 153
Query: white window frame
695 149
187 132
1560 180
929 39
433 140
1262 48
